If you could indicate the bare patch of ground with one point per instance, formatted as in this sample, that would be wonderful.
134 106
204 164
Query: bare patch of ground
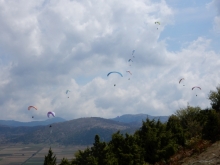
210 156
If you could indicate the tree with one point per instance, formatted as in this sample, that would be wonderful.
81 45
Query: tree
84 158
64 161
98 150
214 97
174 126
50 159
211 129
126 150
190 120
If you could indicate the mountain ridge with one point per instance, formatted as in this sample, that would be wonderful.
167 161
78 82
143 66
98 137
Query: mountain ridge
126 118
79 131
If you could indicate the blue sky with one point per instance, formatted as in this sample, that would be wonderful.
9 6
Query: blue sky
48 47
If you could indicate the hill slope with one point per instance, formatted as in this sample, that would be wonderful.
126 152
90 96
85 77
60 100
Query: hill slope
210 156
137 119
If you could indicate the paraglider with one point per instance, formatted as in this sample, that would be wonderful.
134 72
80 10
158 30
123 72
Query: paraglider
30 107
129 73
196 87
67 91
116 73
157 23
130 60
181 81
50 113
133 53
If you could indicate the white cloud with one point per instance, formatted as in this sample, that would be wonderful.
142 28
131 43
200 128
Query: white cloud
215 4
51 46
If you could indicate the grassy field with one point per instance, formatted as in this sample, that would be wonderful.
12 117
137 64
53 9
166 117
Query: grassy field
32 154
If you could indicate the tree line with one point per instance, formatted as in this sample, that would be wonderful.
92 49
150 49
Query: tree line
154 142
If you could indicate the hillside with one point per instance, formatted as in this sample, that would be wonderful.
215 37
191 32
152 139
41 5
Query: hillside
210 156
74 132
136 119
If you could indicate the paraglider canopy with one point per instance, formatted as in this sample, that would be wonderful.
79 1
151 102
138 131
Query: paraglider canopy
29 108
50 113
115 72
196 87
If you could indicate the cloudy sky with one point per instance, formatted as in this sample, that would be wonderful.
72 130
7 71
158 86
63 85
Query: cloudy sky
50 46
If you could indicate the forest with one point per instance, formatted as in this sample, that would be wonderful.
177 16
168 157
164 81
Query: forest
188 131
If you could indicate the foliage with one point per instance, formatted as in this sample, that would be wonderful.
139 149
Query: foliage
156 142
174 126
125 149
50 158
64 161
211 129
190 120
84 158
214 97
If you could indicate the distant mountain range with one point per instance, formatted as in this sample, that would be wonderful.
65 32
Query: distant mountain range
73 132
32 123
138 118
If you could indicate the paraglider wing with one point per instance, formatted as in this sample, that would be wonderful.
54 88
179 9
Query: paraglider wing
130 60
50 113
115 72
29 108
157 22
129 72
181 80
196 87
67 91
133 52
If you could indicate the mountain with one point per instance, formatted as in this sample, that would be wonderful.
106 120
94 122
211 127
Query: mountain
74 132
32 123
138 118
127 118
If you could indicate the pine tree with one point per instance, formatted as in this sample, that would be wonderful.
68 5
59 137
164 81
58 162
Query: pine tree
64 161
50 158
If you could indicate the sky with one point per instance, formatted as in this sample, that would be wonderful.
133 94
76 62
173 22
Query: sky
50 46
